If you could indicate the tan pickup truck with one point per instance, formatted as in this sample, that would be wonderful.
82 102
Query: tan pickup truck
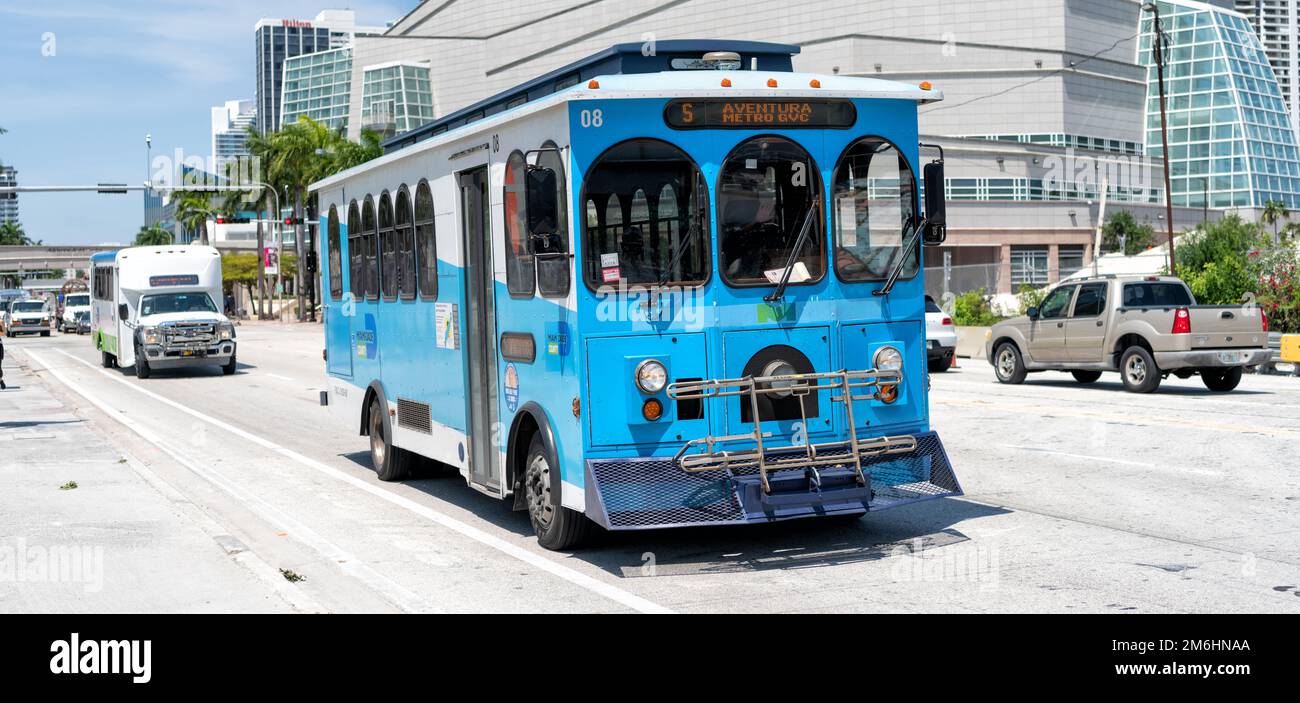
1144 327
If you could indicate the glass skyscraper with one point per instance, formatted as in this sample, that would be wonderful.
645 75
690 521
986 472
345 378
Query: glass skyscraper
1230 139
317 86
396 97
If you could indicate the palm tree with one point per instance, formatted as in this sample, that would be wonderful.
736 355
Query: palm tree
152 235
1274 212
193 210
12 234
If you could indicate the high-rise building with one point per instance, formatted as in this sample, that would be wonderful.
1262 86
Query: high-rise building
280 39
396 97
230 123
1277 22
1231 142
8 201
318 86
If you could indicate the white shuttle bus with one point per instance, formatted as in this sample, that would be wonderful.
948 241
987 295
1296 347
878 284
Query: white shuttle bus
158 308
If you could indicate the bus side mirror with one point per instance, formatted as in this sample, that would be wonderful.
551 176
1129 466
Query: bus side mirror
936 216
541 199
123 312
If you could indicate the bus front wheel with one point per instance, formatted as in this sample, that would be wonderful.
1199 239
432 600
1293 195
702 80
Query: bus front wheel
557 527
391 463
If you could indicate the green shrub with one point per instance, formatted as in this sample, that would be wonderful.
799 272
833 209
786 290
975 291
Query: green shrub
974 309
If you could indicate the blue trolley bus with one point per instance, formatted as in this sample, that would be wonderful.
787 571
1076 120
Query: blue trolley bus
650 289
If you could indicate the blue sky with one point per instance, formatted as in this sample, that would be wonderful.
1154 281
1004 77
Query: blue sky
120 70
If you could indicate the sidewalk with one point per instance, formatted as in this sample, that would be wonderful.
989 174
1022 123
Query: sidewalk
121 540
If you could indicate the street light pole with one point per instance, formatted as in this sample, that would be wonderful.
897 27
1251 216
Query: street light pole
1158 51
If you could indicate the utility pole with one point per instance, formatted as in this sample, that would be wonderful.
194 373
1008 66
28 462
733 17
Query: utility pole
1158 52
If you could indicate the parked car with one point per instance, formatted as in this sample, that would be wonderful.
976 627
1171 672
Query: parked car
27 316
1143 327
940 337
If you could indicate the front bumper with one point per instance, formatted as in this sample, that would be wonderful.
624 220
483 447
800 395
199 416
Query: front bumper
1212 358
165 357
650 493
20 326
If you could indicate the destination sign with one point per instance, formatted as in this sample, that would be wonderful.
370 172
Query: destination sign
175 280
744 113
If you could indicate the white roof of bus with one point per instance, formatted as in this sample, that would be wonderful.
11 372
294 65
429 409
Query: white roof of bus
673 84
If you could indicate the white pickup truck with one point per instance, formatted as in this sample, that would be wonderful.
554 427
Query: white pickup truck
1143 327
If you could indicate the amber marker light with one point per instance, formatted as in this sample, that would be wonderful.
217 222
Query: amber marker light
652 409
925 85
771 82
726 82
814 83
887 394
594 84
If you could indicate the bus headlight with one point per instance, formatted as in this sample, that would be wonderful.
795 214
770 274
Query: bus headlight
150 336
888 358
651 376
226 332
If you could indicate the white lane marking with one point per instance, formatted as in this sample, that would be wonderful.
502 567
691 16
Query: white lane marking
573 576
1122 462
339 557
282 378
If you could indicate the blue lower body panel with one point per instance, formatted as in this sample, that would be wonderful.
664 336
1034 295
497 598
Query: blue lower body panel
652 492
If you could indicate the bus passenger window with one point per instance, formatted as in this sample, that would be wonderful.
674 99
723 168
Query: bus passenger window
405 245
370 242
767 189
647 217
553 268
519 260
356 264
335 256
387 248
873 211
427 250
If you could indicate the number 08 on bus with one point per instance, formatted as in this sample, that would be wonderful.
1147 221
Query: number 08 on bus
647 291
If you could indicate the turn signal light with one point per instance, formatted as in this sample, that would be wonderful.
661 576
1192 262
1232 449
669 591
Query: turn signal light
1264 319
1182 322
652 410
577 407
887 394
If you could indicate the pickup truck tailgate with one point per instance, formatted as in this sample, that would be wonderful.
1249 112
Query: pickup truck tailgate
1226 327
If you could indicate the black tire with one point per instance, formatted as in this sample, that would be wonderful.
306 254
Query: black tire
391 463
142 369
45 333
1008 364
1221 380
1086 377
1139 371
557 527
938 365
229 367
105 359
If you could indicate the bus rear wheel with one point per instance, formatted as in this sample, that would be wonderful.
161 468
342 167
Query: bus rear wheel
391 463
105 359
557 527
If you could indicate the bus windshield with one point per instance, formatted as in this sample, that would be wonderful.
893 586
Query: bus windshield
767 189
872 210
162 303
77 300
645 217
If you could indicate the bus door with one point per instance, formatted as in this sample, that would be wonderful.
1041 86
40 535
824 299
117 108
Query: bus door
480 331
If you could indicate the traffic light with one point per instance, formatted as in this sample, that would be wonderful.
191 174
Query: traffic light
233 220
293 220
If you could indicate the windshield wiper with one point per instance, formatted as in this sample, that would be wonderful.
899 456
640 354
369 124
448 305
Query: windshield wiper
794 254
902 258
681 250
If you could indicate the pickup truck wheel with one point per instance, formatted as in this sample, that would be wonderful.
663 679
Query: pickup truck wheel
1139 371
1008 365
1086 377
1221 380
142 369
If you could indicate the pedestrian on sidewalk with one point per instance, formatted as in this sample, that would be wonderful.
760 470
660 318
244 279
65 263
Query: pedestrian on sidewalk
2 363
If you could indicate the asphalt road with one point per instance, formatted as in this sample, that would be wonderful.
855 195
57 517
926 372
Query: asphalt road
1078 499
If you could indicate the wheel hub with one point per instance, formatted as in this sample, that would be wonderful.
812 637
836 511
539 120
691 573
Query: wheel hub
538 490
378 447
1136 369
1006 363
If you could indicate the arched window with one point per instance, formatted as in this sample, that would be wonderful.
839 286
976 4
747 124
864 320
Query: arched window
768 189
406 274
387 248
873 211
371 244
335 255
630 244
553 266
356 262
425 242
520 272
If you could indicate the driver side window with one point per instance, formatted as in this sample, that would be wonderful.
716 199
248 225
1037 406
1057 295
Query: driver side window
1057 303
